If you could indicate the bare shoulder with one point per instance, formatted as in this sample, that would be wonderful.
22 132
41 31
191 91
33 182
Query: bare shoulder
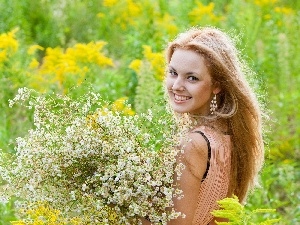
195 154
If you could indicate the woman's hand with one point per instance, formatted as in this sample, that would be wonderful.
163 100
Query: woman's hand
145 222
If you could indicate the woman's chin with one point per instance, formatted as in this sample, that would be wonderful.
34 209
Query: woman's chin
179 110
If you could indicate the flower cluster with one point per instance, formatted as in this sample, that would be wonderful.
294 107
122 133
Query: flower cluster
265 2
120 105
201 12
58 64
166 24
155 60
41 214
8 45
94 166
284 10
124 13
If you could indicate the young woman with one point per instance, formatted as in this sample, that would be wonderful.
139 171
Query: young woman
224 150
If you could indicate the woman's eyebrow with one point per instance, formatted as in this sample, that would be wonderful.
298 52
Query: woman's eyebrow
193 73
187 73
172 68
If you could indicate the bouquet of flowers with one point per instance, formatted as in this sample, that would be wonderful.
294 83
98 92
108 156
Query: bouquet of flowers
92 163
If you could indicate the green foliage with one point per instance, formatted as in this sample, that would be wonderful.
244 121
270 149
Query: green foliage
7 213
148 91
267 34
235 212
280 182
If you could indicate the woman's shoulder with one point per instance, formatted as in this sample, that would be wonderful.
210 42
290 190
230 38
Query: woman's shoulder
197 142
219 140
195 153
212 134
202 143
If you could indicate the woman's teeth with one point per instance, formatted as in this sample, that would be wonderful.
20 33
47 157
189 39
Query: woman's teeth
181 98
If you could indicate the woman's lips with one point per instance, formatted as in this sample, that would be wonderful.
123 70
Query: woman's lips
181 98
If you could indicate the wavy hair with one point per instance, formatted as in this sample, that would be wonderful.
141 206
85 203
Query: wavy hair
237 102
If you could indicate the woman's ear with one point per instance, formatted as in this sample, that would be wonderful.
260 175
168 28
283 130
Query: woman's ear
216 87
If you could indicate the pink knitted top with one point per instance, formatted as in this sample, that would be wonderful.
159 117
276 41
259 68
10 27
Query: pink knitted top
215 186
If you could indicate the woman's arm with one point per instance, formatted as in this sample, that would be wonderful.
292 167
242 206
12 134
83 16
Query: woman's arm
145 222
194 158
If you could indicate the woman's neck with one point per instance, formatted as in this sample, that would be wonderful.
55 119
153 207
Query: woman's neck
219 124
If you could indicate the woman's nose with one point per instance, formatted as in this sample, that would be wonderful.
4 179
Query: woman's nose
178 84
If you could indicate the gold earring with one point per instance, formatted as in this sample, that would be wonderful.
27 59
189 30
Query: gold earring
213 105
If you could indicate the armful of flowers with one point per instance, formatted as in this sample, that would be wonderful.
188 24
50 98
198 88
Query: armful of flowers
90 162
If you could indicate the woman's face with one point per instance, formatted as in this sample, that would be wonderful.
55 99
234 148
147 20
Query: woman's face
189 83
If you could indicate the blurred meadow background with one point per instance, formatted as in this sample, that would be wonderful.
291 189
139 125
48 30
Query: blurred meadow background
116 47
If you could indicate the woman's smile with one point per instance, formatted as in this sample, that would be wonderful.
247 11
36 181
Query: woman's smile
181 98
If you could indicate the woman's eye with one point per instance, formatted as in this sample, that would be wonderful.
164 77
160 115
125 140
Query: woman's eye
173 73
192 78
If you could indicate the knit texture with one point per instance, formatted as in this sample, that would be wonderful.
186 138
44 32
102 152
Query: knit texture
215 185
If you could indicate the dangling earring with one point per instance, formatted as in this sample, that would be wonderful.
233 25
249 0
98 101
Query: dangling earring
213 105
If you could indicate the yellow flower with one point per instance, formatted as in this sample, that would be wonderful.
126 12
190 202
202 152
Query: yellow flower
203 11
100 15
3 56
128 111
132 8
32 49
267 17
17 223
157 62
89 53
8 41
284 10
112 216
34 64
123 12
60 66
135 65
120 106
43 214
8 44
110 3
166 23
265 2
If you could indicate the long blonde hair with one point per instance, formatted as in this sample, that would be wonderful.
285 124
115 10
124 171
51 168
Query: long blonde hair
237 102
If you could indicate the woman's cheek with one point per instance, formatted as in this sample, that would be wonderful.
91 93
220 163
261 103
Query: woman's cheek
168 83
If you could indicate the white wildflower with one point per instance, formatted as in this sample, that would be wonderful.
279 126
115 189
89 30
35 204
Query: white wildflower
72 195
83 161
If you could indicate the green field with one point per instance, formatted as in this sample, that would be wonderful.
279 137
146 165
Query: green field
117 48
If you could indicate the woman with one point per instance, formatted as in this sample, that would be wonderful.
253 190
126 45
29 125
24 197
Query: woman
206 81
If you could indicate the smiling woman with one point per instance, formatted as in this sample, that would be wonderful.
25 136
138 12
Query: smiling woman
189 83
223 150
